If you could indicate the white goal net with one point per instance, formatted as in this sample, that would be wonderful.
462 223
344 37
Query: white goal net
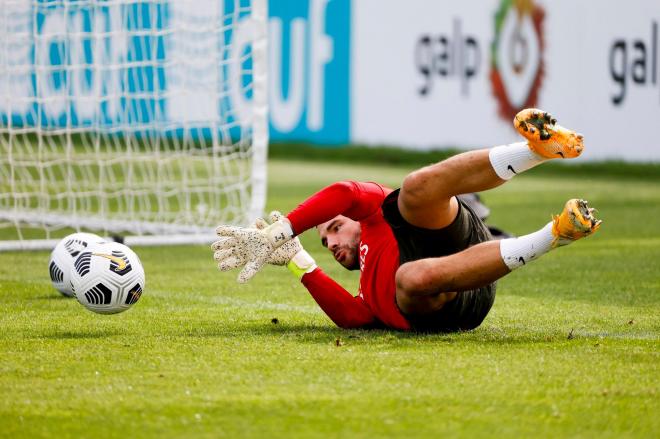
132 118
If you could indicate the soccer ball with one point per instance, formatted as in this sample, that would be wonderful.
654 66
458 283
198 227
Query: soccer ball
108 278
61 259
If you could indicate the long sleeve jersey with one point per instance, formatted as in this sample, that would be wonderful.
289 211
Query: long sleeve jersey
378 256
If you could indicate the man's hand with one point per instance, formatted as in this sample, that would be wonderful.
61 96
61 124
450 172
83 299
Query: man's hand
282 255
250 246
292 254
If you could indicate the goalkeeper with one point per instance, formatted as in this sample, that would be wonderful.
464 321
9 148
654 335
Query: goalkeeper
426 260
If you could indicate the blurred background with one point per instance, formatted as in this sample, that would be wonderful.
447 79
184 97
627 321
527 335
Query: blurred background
415 75
433 74
158 117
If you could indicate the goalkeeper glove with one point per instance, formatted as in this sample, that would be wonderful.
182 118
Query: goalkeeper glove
250 246
230 254
292 254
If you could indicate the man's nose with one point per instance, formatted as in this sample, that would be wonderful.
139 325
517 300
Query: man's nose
332 244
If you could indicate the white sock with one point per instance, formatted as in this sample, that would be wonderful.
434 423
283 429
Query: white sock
509 160
517 252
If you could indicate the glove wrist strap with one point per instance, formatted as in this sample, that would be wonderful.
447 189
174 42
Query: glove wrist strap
301 264
279 232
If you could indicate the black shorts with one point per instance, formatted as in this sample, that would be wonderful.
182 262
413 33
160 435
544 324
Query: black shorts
469 308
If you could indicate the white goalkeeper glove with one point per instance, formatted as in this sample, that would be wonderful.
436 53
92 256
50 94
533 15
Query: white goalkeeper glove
253 247
292 254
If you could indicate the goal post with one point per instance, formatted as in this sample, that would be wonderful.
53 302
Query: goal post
143 119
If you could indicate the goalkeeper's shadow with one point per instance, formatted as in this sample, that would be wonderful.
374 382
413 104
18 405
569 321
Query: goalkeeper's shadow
482 336
316 333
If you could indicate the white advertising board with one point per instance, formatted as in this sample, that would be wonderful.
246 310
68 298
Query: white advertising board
430 74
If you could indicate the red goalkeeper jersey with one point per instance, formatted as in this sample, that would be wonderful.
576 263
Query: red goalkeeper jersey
378 254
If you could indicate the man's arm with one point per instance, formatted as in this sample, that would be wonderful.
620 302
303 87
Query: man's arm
349 198
343 309
355 200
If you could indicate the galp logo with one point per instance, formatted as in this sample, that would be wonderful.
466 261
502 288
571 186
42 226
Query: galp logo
517 56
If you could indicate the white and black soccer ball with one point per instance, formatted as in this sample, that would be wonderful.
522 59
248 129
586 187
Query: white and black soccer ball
107 279
64 254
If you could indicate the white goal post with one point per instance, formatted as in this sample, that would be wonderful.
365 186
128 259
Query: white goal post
142 119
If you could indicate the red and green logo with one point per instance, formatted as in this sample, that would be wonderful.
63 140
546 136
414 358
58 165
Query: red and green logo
517 56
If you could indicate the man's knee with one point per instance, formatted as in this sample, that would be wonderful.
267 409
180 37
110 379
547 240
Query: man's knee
414 188
412 279
416 293
424 201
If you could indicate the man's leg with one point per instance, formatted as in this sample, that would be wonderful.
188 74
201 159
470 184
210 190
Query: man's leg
427 199
425 285
427 195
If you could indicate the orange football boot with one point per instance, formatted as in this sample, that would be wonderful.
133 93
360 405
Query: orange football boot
545 137
574 222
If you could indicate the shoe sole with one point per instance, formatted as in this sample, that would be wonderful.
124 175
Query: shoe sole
581 222
545 137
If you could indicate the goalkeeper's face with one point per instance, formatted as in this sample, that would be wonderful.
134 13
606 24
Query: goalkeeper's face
341 235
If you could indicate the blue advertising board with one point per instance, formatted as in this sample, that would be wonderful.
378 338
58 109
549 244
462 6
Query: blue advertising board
309 70
107 65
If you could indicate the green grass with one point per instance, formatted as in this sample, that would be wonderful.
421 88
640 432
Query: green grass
388 155
570 349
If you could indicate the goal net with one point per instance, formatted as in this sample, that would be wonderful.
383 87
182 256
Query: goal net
144 119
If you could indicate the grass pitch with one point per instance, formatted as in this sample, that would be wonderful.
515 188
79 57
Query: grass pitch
570 349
